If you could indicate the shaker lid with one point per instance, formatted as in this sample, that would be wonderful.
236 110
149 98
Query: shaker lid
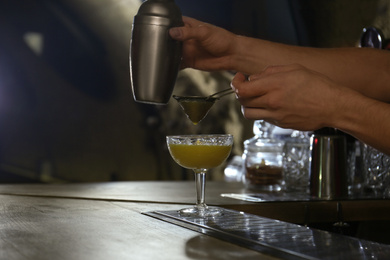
159 12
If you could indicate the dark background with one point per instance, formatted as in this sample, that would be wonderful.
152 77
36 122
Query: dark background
66 110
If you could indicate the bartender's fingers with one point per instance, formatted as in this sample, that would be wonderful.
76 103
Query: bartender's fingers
192 29
256 113
237 81
191 22
245 88
270 79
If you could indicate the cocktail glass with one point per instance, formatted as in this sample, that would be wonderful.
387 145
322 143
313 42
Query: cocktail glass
200 153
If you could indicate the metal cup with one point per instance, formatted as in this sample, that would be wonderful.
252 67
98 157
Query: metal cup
328 167
154 56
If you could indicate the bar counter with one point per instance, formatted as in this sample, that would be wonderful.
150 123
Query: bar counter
105 220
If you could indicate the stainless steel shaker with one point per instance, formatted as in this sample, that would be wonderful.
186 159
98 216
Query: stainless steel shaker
154 56
328 166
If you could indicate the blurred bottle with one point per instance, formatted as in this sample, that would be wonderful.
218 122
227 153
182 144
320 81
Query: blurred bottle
234 170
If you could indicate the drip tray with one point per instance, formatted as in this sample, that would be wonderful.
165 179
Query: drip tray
277 238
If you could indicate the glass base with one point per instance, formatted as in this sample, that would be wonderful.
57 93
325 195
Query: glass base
201 211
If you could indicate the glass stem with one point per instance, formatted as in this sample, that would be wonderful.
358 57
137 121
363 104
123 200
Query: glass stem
200 183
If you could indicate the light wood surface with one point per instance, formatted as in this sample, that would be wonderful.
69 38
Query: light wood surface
104 220
183 192
63 228
178 192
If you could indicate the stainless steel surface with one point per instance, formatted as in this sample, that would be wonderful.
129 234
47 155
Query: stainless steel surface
154 55
278 238
328 169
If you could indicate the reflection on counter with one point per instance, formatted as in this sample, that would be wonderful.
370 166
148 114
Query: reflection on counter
277 238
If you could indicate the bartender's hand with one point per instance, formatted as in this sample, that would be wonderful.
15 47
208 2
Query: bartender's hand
205 46
289 96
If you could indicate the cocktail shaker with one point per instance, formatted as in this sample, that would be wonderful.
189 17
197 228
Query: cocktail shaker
328 166
154 56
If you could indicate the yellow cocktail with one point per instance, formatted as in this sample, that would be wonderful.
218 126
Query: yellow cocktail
200 153
199 156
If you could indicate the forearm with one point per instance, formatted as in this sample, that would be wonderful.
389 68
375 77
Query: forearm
366 119
363 69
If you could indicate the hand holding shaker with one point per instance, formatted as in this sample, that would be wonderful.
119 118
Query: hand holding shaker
154 56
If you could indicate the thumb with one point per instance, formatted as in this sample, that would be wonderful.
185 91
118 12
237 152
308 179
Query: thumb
176 33
237 80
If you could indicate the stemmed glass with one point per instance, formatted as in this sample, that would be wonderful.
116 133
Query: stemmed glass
200 153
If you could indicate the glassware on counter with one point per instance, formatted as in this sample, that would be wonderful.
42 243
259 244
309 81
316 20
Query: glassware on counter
296 162
377 171
234 170
355 167
263 159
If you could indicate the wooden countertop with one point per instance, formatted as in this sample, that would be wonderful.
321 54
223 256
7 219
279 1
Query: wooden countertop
104 221
183 192
172 192
97 221
42 228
